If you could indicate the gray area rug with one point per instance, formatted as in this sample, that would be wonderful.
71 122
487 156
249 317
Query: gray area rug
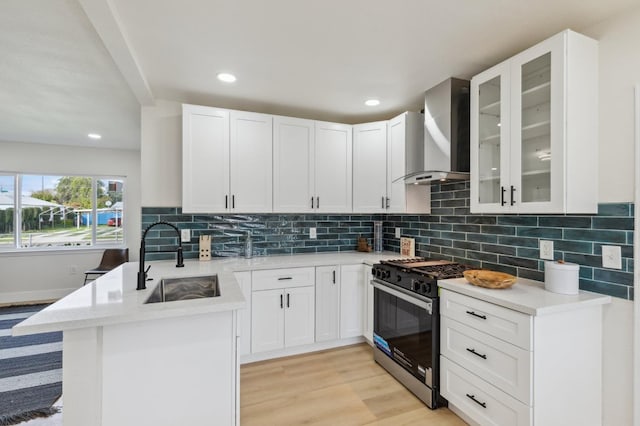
30 369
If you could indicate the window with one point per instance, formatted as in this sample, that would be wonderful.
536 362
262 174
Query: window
60 211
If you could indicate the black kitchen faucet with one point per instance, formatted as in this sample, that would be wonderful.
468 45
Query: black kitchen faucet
142 274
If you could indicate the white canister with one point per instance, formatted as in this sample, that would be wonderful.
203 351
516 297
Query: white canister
560 277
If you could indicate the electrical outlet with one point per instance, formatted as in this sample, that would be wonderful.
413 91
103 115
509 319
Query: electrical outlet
312 233
398 235
611 257
546 249
185 235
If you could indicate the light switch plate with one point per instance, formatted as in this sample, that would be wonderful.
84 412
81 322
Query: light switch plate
611 257
546 249
398 233
312 233
185 235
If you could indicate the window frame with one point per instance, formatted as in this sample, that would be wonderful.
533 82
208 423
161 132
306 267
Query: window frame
96 244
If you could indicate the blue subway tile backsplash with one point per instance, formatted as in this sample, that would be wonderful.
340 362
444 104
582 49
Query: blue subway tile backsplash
507 243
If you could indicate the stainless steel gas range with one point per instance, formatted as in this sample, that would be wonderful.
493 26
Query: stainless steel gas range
406 331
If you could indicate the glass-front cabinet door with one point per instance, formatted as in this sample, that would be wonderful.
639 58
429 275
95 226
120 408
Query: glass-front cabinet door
536 132
490 139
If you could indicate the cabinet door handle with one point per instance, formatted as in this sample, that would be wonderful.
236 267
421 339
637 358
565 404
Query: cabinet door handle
226 201
484 317
233 201
502 191
285 278
513 189
334 277
287 300
388 201
281 302
473 398
317 202
382 205
473 351
311 202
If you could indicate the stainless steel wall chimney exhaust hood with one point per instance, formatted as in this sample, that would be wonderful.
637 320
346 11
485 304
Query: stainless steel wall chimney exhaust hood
446 134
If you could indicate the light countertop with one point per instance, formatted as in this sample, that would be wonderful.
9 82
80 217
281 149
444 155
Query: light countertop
526 296
113 298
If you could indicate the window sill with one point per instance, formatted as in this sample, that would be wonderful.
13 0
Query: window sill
46 251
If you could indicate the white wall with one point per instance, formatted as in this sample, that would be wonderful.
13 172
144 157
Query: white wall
48 275
619 72
161 150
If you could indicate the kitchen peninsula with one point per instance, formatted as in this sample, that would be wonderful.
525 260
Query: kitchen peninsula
129 363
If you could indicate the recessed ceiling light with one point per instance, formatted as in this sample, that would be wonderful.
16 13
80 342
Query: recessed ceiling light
226 77
372 102
94 136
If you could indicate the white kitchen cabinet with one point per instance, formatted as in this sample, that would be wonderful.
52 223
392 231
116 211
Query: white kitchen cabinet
327 303
227 161
244 314
333 167
251 151
312 166
370 167
384 152
405 150
282 308
504 367
352 300
368 314
205 159
534 130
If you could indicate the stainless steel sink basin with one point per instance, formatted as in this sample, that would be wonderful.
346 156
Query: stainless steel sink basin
172 289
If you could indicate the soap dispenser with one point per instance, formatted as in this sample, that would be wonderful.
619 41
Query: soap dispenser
248 246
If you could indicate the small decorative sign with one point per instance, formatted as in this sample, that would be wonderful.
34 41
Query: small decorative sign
407 247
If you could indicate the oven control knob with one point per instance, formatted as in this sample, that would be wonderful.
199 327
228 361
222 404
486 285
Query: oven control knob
416 286
426 288
386 274
398 277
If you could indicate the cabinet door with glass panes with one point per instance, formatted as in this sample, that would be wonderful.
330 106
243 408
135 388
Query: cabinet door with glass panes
537 128
490 139
534 130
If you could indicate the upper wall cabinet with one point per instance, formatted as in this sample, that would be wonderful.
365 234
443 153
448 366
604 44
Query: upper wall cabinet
534 130
226 157
383 152
312 166
370 167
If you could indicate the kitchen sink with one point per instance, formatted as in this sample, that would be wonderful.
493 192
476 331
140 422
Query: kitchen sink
172 289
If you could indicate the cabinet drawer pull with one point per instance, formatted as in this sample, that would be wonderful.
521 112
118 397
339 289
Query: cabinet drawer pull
473 351
317 202
281 302
334 277
473 398
233 201
477 315
382 202
311 202
226 201
285 278
388 202
513 189
502 191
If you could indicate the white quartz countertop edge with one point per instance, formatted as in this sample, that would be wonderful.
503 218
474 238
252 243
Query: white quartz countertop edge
527 296
113 299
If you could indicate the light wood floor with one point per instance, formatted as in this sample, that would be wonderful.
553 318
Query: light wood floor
341 386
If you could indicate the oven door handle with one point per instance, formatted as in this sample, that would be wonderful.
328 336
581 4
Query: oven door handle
427 306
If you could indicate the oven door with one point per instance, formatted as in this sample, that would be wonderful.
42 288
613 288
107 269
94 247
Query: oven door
405 328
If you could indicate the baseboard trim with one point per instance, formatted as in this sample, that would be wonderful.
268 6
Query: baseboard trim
31 297
297 350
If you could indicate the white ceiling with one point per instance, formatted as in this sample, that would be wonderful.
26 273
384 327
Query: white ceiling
70 67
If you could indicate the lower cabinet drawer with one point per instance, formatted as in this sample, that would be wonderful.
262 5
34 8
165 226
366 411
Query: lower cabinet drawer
283 278
479 400
502 364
